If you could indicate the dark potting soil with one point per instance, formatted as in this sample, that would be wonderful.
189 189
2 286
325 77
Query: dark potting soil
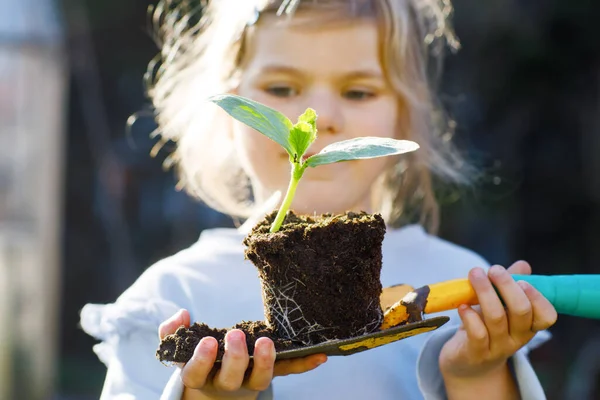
320 275
320 278
180 346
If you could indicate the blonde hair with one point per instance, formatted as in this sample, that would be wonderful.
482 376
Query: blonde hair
202 49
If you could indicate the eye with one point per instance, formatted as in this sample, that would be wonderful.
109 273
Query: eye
358 94
281 91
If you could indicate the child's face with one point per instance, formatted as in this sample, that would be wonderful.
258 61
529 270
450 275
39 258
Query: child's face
336 71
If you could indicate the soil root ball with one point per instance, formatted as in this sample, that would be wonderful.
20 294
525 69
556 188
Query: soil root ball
320 275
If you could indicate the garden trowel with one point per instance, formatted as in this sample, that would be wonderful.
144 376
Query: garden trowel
576 295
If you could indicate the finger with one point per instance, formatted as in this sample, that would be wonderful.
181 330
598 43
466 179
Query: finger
235 362
518 306
520 268
299 365
492 309
544 313
264 360
474 327
181 317
196 371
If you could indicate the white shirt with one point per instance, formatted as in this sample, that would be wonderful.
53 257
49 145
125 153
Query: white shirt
214 282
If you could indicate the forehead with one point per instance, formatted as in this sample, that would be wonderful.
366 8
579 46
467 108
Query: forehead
336 47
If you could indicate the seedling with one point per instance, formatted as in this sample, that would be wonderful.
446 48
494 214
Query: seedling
297 138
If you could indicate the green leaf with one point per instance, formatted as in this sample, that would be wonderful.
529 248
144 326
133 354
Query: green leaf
304 133
310 117
265 120
361 148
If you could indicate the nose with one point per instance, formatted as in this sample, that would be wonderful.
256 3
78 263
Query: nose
330 118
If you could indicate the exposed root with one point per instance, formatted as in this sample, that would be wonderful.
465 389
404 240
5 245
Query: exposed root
287 314
370 327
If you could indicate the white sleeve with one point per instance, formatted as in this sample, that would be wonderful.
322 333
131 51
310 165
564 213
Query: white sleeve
430 378
174 389
129 339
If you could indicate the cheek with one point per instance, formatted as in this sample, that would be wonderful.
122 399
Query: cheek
257 153
380 119
371 169
389 120
374 126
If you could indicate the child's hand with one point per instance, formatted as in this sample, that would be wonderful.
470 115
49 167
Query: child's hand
231 380
492 334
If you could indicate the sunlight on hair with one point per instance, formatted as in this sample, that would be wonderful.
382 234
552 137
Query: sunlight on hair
202 50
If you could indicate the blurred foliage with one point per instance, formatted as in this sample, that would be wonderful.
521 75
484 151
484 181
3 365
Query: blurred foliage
524 90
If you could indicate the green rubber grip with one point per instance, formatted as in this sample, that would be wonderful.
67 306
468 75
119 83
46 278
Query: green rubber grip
576 295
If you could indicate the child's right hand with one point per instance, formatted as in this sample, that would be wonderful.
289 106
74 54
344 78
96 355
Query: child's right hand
231 380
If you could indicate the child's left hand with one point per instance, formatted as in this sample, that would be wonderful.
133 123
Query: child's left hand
493 332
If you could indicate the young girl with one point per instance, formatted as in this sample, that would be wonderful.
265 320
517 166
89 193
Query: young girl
363 66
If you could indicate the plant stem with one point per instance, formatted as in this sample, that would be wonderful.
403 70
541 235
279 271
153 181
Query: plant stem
296 174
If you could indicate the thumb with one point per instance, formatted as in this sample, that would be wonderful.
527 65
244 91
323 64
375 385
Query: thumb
181 317
520 268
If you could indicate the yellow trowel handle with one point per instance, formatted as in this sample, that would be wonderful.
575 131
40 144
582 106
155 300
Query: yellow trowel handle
449 295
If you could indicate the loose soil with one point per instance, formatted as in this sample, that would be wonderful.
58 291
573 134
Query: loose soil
320 278
180 346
